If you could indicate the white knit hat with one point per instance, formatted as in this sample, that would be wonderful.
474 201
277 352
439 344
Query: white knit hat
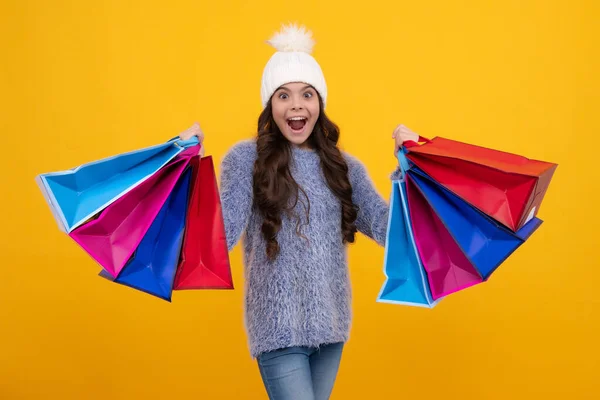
292 63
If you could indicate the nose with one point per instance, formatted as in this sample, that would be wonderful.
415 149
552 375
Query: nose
296 104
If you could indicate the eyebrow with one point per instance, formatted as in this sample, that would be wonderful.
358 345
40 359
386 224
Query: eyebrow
286 89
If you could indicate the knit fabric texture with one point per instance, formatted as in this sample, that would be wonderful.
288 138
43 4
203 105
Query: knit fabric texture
303 297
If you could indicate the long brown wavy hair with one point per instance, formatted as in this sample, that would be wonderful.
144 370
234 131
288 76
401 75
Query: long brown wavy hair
276 191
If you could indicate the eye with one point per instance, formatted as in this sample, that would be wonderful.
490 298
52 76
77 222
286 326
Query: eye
283 96
308 95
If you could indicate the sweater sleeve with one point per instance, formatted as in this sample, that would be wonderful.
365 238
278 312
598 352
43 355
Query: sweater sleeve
373 210
236 190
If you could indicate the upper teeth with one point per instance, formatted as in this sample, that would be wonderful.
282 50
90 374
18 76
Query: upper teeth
297 118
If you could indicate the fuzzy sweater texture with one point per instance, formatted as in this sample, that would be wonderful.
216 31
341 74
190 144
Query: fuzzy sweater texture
303 297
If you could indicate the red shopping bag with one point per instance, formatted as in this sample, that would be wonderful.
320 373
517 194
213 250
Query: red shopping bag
507 187
204 261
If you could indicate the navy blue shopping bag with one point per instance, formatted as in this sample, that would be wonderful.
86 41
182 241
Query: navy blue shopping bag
153 266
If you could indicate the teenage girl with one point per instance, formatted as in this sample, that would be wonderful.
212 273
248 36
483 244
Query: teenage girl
298 201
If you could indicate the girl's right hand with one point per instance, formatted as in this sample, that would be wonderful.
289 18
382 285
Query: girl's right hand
192 131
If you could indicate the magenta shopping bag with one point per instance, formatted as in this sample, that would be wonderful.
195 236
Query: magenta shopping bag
112 236
448 269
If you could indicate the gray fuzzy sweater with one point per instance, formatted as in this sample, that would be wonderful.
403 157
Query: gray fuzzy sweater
303 297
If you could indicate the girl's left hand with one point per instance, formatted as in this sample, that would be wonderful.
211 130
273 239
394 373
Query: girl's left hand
403 134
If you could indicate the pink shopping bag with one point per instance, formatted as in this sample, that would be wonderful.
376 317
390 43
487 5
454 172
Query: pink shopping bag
112 236
448 269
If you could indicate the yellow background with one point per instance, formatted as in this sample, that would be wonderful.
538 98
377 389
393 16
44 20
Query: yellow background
89 79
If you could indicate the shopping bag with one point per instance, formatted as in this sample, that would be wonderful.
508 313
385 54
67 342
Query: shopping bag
112 236
406 282
153 265
484 242
448 269
76 195
204 262
507 187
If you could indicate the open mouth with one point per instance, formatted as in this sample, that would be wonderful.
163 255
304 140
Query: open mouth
297 124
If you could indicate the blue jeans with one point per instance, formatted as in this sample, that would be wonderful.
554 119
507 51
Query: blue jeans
300 373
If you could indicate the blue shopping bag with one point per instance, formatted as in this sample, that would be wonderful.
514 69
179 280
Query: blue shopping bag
484 241
406 281
76 195
153 266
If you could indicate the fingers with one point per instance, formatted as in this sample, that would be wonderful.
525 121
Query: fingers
399 130
198 131
404 134
193 130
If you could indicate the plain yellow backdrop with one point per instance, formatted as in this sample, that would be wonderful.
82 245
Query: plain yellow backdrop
85 80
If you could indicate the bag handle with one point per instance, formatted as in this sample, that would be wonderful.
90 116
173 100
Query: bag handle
193 141
411 143
402 160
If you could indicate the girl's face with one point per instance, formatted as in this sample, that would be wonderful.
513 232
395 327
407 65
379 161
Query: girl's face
295 109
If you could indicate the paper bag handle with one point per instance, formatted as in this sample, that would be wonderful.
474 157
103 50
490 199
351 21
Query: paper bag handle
411 143
403 161
193 141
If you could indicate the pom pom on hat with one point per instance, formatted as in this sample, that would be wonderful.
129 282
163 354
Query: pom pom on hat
293 38
292 62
